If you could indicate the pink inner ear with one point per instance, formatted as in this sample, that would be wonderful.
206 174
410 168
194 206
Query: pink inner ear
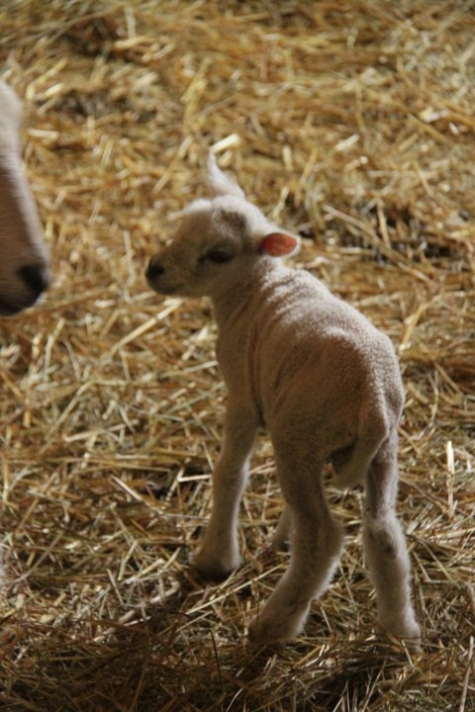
278 244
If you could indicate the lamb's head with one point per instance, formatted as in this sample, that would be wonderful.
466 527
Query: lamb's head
217 242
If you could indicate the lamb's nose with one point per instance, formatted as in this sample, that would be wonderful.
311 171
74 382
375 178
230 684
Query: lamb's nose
36 277
154 270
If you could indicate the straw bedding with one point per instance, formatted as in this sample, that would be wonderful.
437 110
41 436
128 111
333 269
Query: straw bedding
352 123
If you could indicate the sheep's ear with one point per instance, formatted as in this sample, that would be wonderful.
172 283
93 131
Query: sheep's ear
279 244
219 182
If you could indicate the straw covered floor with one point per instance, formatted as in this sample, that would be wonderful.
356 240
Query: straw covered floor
350 122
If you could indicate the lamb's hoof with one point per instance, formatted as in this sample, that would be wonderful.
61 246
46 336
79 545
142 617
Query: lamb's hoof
268 632
408 632
213 569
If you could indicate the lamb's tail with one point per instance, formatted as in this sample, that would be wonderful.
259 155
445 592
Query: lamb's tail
351 463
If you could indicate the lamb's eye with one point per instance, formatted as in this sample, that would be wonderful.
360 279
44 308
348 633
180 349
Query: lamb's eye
218 256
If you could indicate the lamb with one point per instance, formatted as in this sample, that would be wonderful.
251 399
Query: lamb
23 258
322 379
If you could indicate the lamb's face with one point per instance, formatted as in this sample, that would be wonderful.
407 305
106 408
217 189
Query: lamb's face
208 250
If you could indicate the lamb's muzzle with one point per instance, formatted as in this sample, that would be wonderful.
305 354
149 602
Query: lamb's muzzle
324 381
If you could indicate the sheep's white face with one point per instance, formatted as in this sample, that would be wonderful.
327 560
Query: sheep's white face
212 244
23 256
217 242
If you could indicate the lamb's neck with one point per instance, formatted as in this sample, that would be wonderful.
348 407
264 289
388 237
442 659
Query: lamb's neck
229 303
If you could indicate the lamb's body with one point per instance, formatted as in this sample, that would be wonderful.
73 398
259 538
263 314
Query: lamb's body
293 348
326 384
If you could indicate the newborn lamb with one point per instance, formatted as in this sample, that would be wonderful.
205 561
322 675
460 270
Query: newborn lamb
322 379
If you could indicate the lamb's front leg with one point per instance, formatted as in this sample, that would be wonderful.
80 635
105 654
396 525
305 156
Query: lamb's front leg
218 554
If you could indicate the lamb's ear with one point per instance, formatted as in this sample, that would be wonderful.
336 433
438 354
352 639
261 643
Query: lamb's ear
279 244
219 182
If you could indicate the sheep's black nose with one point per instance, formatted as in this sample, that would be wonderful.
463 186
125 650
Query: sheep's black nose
36 277
154 270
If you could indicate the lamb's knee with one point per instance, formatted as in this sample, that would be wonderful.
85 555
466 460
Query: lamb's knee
385 535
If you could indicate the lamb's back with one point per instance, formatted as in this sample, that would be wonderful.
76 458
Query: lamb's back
308 346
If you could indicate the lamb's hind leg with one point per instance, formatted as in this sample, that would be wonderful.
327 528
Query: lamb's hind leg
385 546
315 550
283 530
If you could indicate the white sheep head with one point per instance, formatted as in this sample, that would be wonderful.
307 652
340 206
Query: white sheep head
24 272
219 239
